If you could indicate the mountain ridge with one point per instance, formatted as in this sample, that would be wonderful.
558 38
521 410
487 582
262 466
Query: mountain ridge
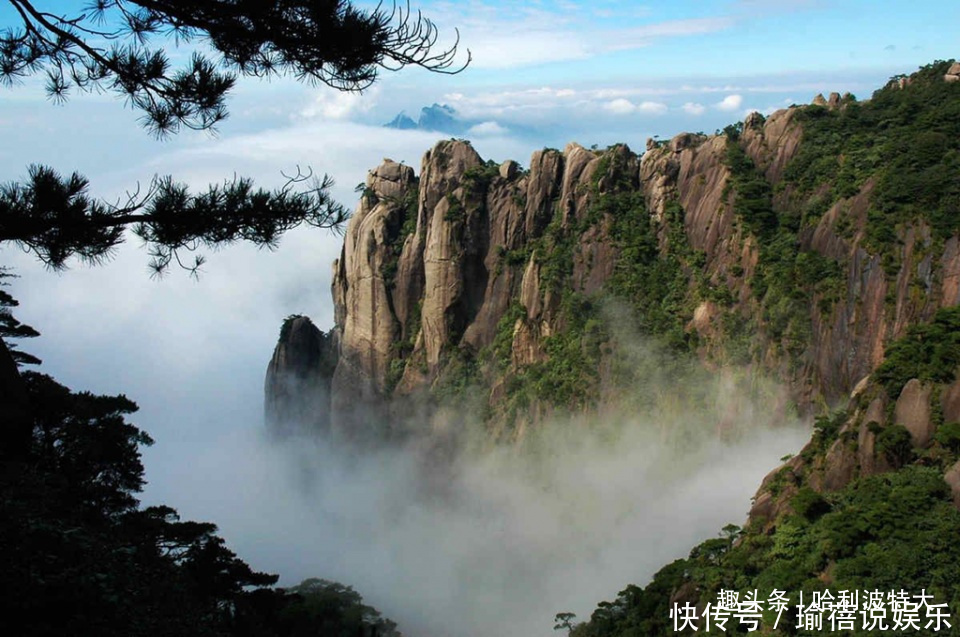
818 246
468 240
437 117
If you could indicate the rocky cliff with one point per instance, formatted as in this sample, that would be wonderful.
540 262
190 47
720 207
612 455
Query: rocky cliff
771 245
818 245
297 386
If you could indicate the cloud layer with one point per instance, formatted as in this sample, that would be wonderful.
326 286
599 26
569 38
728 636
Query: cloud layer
498 540
514 36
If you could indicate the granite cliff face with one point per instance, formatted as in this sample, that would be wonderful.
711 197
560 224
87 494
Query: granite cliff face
480 275
817 246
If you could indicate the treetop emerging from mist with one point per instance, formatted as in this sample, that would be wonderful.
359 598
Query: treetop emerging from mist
108 45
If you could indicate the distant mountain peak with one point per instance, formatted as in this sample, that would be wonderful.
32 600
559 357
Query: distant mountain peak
402 122
438 118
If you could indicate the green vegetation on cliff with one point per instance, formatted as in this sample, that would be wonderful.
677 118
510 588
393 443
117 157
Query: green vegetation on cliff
890 531
778 317
652 284
887 532
906 139
787 278
929 352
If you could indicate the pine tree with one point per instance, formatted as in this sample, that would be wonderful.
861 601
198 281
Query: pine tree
110 46
10 327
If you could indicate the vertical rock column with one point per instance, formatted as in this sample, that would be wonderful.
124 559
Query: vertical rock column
297 386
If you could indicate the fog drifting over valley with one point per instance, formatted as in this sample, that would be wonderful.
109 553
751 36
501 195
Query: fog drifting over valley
496 546
494 541
499 540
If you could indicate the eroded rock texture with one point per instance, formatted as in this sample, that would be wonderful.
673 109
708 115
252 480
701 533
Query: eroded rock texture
443 272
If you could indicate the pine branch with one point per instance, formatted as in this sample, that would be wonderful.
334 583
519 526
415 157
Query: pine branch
55 218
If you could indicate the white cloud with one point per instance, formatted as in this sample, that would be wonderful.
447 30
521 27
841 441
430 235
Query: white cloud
730 102
532 105
636 37
536 104
495 104
609 93
507 36
652 108
516 48
332 104
487 129
509 97
623 106
620 106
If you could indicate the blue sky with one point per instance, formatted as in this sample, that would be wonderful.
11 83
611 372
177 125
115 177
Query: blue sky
545 73
631 68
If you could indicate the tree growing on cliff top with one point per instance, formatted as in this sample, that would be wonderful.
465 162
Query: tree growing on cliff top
108 47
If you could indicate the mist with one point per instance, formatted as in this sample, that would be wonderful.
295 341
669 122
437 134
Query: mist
495 539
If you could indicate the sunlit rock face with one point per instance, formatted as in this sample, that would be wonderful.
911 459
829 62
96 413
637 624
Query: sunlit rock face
438 269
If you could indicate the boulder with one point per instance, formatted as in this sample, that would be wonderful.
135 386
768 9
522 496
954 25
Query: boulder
953 73
509 169
913 412
866 439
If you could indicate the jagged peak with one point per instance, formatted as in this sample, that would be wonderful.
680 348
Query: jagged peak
754 119
443 167
294 326
390 178
575 147
296 387
451 152
833 102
